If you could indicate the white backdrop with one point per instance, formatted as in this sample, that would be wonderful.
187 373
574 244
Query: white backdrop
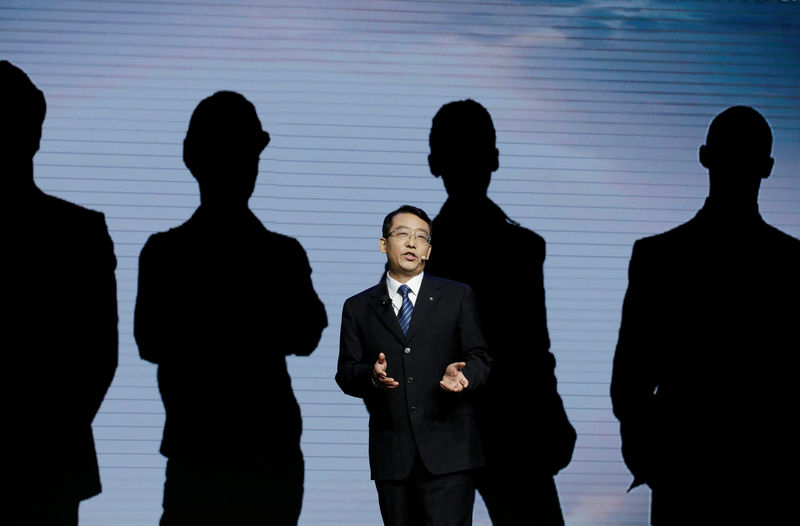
599 106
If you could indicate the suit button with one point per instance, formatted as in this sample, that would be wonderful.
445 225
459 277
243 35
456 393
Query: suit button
407 350
410 379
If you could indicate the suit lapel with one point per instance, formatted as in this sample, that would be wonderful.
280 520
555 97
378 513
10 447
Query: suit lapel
429 294
382 306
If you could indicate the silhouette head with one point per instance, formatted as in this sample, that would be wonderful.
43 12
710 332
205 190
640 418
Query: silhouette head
222 146
463 152
23 110
737 155
405 240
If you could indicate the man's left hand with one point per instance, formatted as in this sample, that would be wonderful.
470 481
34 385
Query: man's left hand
453 379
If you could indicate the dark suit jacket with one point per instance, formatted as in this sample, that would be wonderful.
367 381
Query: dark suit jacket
705 367
509 287
418 415
218 309
60 350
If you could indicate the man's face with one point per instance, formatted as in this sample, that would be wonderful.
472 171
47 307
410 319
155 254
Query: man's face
406 247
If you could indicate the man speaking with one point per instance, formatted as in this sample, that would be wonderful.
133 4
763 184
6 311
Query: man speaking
412 348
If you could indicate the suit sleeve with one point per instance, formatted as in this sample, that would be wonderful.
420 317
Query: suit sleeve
633 381
353 371
474 349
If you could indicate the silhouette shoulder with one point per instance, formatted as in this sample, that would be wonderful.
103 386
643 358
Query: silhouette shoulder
448 284
76 229
160 240
526 234
288 242
520 244
444 281
782 237
675 233
676 236
290 250
65 210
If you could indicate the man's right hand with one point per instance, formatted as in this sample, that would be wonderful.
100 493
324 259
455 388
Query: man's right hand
379 377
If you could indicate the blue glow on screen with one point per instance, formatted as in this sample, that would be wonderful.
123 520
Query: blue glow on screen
599 106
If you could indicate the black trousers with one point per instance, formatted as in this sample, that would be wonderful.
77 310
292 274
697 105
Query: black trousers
520 501
424 499
212 492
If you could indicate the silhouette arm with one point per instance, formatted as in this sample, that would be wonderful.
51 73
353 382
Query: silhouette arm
544 363
633 380
475 356
151 314
542 385
516 322
529 318
307 317
97 319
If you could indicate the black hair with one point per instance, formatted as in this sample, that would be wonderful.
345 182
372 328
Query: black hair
405 209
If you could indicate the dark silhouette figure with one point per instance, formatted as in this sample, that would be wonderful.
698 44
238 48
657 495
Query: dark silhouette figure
59 327
411 347
479 245
704 370
221 302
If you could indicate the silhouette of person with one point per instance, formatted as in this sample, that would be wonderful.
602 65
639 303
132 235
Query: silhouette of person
59 325
703 379
479 245
221 302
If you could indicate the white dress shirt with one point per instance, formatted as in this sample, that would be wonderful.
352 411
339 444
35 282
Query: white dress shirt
397 298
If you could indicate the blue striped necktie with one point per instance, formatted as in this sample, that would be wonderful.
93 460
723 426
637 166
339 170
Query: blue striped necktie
404 314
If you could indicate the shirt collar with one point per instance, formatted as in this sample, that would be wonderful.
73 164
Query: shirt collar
414 284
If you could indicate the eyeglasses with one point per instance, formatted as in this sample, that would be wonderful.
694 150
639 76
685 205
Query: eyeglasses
404 234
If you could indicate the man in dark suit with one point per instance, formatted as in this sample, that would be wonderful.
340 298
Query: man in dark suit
59 326
509 288
703 381
221 302
412 348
